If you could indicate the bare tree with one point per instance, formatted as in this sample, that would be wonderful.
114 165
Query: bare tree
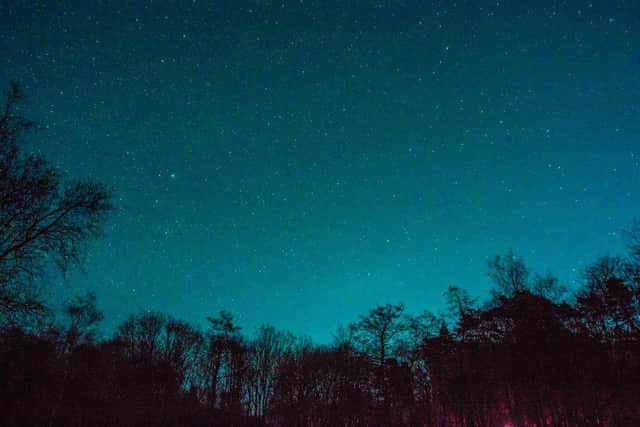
83 315
378 331
549 287
266 352
44 220
142 335
605 268
225 347
459 302
607 303
181 349
509 273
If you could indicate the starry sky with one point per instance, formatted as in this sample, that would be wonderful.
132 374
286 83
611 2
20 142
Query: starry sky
298 162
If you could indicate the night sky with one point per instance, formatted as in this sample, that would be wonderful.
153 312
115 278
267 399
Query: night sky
298 162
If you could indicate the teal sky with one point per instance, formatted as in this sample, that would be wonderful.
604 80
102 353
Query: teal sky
298 162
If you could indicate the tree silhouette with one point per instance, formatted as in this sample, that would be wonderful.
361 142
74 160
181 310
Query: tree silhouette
509 274
44 220
267 352
522 360
527 357
226 360
83 316
379 335
378 332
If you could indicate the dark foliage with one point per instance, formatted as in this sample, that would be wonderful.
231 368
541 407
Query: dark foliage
44 220
525 358
522 359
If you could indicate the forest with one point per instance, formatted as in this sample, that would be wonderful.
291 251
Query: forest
533 353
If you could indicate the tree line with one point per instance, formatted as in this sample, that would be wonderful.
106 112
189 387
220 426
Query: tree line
533 354
523 358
